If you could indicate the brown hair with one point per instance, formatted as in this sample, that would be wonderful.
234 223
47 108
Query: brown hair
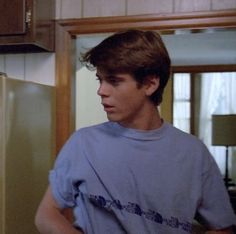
139 53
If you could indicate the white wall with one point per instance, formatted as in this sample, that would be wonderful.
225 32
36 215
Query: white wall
92 8
39 68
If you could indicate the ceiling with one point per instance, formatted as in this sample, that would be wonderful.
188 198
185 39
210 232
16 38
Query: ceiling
209 47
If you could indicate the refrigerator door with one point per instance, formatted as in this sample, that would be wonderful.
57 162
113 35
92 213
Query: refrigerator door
29 137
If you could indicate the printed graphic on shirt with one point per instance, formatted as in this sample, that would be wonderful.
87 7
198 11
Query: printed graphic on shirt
135 209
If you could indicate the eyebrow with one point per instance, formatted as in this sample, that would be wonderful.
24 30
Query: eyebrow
108 76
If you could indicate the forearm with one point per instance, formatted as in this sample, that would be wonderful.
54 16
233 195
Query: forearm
54 223
222 231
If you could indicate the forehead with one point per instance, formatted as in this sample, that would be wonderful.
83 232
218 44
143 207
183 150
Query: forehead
101 73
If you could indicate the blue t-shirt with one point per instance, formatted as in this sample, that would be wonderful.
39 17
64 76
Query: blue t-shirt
121 180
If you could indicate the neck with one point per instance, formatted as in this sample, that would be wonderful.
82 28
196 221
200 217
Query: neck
149 121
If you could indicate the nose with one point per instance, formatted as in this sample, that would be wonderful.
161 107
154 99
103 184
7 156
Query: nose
103 89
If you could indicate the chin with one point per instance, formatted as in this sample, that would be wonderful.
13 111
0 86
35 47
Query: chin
113 118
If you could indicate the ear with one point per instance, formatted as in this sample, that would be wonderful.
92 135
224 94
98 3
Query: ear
152 84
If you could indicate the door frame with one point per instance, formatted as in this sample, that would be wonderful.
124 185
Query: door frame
68 29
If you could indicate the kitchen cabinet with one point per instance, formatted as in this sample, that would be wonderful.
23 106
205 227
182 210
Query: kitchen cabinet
27 25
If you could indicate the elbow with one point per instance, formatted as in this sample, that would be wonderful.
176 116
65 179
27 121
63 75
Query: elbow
39 220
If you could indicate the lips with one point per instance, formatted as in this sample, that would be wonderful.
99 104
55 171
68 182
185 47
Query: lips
107 107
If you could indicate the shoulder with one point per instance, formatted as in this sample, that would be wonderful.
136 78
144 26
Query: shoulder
93 129
76 144
189 145
182 137
90 132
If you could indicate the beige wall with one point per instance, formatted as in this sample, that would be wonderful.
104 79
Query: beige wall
41 67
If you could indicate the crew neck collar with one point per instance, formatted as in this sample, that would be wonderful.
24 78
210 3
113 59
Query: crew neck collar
139 134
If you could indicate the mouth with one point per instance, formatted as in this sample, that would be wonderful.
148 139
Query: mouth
108 108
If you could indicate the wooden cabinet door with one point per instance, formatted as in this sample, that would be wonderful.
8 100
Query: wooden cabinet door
12 17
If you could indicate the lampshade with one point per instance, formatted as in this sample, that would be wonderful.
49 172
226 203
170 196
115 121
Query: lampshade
224 130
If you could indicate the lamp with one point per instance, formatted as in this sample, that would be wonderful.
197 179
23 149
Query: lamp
224 134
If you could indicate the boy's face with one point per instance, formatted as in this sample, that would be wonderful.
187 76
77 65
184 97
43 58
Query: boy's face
123 101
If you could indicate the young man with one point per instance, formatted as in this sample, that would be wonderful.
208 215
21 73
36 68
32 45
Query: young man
134 174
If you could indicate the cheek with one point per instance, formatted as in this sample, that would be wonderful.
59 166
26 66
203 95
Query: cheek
131 102
126 98
129 97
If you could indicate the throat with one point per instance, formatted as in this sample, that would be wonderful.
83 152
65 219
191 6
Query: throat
146 122
153 123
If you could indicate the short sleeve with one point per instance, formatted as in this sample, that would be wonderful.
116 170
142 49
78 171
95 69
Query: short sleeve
61 176
215 210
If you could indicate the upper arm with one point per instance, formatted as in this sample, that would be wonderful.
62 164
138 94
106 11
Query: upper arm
50 208
50 218
215 210
49 200
48 204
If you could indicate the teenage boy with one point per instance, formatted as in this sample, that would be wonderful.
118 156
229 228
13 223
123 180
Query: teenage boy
136 173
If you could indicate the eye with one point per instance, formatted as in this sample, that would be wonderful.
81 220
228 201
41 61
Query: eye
113 80
99 80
